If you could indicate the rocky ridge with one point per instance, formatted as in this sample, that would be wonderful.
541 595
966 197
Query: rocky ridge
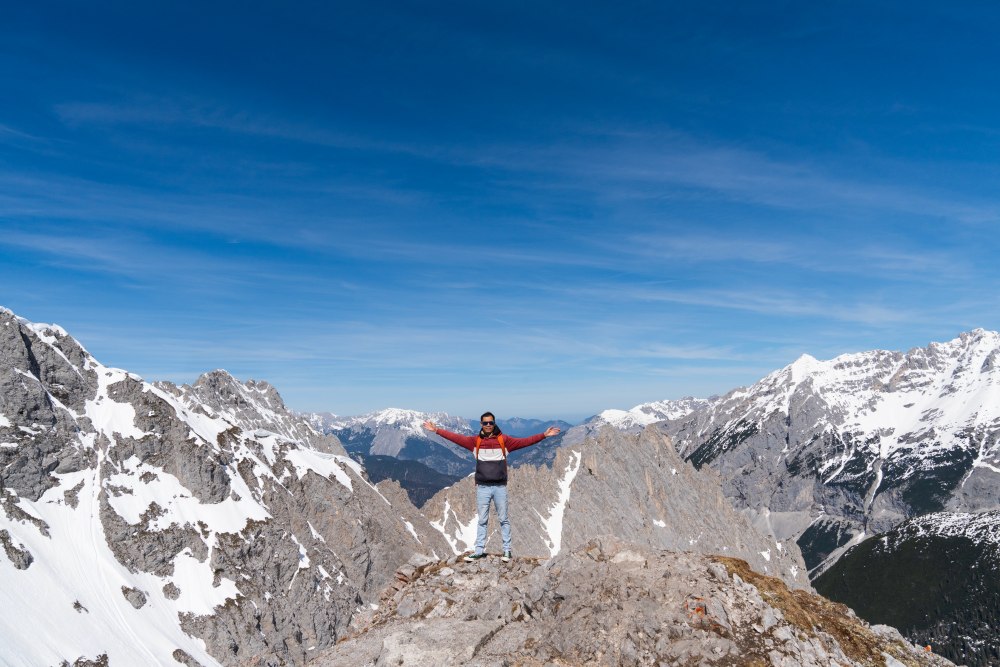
632 485
608 602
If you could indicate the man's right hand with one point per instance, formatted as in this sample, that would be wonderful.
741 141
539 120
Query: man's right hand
430 426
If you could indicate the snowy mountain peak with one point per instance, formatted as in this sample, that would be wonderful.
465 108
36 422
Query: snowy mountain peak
151 522
399 419
637 417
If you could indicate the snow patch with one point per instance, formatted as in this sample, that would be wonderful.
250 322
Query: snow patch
463 536
409 527
199 594
178 505
554 524
108 415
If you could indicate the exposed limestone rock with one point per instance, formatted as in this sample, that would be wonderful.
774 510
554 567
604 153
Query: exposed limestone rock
183 658
19 556
135 597
611 603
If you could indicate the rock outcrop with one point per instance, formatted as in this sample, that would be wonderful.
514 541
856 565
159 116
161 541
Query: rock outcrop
609 602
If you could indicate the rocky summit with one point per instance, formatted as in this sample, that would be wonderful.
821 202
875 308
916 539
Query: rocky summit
609 602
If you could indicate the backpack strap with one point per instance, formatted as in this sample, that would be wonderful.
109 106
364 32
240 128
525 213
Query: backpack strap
500 439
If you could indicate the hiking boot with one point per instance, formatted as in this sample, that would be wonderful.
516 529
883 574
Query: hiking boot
506 557
472 558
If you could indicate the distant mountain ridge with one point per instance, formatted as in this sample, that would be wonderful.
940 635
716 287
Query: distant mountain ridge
399 433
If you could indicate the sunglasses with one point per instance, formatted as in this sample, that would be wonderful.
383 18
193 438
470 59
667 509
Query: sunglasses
487 423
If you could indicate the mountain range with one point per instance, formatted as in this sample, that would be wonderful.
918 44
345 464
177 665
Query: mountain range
206 524
829 452
848 455
832 454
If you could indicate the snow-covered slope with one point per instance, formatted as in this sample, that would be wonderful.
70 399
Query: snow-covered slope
649 413
154 524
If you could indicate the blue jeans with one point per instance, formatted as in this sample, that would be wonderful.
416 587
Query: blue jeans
498 494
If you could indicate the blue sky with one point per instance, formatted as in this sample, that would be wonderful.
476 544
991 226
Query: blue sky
540 209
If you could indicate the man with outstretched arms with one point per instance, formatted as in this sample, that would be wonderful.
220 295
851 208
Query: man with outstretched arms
490 448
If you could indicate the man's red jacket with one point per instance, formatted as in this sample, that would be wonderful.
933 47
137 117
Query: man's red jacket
491 465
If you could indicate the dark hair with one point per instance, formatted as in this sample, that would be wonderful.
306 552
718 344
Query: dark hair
487 414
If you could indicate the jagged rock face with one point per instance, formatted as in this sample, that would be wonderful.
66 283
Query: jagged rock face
947 568
609 602
827 452
633 486
149 521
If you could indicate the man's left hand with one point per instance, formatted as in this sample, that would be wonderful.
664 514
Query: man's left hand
551 431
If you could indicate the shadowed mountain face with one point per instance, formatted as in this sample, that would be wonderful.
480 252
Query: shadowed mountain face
419 481
946 566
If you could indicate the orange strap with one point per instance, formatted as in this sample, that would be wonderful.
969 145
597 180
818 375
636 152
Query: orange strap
503 447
